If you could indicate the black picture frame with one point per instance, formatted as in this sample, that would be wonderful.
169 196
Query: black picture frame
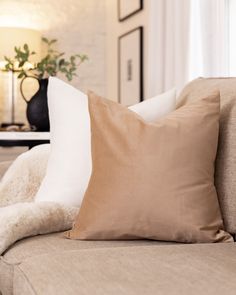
129 13
130 67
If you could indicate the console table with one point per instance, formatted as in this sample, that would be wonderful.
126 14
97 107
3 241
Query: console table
18 138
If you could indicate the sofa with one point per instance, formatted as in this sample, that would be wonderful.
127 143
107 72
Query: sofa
50 264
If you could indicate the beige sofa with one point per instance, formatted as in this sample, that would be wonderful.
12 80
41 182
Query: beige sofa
51 264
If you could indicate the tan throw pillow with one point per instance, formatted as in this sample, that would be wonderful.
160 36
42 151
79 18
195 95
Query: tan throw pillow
152 180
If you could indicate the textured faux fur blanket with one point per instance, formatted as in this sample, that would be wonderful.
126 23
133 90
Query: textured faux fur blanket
20 216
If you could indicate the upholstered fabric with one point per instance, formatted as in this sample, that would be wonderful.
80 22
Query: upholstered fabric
6 277
49 244
152 180
23 286
207 269
225 174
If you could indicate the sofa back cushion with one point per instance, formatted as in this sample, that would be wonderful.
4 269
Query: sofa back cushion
225 173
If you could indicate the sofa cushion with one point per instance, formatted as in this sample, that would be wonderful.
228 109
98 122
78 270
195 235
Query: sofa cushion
174 269
33 247
225 175
67 176
152 180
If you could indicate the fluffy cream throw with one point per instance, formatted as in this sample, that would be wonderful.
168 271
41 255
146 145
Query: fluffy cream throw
23 178
20 216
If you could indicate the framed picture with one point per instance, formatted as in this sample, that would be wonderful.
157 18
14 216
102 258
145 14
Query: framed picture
130 67
126 8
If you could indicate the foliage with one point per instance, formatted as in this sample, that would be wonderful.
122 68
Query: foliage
52 63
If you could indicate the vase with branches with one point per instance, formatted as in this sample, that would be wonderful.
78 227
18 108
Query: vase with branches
52 63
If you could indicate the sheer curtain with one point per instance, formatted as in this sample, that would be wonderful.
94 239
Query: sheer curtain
168 45
209 39
189 39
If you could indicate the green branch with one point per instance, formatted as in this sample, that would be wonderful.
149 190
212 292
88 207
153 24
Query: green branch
51 64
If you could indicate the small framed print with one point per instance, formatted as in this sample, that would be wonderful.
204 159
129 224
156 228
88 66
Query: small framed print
130 66
127 8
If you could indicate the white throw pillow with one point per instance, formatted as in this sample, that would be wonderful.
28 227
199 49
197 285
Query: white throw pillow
69 165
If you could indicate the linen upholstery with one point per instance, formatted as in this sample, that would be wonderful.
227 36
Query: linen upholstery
22 285
207 269
225 173
49 244
152 180
6 277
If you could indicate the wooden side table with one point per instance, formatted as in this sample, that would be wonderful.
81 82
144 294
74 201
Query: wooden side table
30 139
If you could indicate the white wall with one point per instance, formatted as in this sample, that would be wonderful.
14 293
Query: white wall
79 26
114 30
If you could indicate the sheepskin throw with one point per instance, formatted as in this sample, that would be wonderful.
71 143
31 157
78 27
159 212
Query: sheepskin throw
23 178
20 216
22 220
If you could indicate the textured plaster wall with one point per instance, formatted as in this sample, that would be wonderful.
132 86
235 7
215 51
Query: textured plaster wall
79 25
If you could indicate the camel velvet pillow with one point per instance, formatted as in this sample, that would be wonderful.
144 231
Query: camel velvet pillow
152 180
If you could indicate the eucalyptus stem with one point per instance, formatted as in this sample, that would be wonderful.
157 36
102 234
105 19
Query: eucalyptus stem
51 64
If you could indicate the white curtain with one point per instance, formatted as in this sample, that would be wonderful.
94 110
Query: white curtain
169 44
189 39
209 44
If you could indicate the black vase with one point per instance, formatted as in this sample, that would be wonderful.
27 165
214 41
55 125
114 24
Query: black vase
37 107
